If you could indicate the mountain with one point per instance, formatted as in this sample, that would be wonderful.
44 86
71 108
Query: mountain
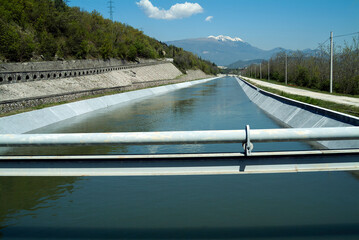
243 64
224 50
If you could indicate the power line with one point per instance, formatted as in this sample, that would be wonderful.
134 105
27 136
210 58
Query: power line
344 35
324 41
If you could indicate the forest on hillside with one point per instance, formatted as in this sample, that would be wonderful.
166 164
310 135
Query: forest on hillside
33 30
314 71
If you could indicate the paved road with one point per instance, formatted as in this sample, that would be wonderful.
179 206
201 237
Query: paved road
322 96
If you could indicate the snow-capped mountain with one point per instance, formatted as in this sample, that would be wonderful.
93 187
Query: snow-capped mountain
226 38
224 50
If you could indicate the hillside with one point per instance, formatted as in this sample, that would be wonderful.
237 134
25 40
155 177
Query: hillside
243 64
33 30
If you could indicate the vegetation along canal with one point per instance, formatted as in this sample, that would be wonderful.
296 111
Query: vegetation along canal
321 205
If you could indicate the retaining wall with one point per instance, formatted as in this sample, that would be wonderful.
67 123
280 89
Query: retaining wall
301 115
25 72
25 122
30 94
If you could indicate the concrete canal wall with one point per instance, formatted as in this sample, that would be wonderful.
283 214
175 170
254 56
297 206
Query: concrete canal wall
301 115
25 122
20 95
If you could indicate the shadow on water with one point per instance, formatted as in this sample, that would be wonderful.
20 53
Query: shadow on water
18 194
340 231
355 174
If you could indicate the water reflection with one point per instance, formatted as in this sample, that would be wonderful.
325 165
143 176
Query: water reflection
209 89
21 196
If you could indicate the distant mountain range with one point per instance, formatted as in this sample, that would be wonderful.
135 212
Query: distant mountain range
243 64
225 50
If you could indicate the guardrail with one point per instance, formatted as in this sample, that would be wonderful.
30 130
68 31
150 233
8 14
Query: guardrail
182 164
247 137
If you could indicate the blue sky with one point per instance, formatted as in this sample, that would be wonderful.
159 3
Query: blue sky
292 24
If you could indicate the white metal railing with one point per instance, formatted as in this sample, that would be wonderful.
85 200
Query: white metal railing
246 137
123 165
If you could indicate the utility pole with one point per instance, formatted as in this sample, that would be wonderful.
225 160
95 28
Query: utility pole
111 9
255 71
268 69
286 69
260 70
331 62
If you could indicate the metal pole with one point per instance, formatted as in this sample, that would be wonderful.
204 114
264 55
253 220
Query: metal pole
286 69
331 62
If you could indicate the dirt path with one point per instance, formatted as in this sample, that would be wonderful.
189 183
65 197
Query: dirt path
322 96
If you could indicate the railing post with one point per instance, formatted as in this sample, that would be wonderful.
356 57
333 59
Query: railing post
248 146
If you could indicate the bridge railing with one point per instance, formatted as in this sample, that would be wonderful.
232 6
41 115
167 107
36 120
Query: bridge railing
182 164
247 137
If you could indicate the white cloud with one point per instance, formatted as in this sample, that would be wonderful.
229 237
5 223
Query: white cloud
209 18
177 11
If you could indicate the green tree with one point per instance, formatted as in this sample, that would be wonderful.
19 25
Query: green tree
48 46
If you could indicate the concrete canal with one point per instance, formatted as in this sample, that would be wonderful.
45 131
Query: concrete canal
278 206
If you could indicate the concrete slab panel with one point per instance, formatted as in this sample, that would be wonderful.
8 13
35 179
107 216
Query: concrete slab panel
63 111
139 94
42 118
81 107
19 123
159 90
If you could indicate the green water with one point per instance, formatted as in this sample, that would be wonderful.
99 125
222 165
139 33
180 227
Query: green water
259 206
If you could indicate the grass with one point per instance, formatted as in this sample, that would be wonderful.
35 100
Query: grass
306 88
347 109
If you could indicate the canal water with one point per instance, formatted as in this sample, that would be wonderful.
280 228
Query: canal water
259 206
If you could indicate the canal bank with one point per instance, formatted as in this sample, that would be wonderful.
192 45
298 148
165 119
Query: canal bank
30 94
300 115
28 121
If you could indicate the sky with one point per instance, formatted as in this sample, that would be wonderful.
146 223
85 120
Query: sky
266 24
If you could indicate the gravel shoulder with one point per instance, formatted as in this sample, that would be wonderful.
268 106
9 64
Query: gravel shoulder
322 96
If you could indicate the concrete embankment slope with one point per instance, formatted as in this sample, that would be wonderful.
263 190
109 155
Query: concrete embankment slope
301 115
301 92
25 122
21 95
119 78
